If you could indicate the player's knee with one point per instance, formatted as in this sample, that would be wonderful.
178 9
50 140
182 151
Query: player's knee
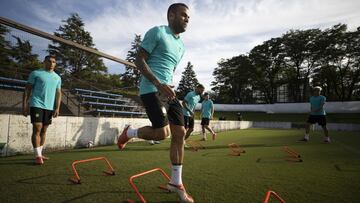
161 134
37 129
179 134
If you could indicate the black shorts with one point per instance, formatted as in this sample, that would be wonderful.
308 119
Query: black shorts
39 115
161 111
189 122
205 121
320 119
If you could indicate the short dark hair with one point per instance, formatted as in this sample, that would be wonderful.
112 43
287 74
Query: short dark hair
206 94
200 86
50 56
173 7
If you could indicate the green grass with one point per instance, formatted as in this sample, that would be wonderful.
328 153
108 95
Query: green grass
329 173
285 117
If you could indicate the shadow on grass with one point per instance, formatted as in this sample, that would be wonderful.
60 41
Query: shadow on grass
273 160
27 162
127 193
54 179
48 179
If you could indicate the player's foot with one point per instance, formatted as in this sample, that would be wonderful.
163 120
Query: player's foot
203 139
157 142
327 140
303 140
214 136
151 142
185 145
39 160
45 157
123 138
180 190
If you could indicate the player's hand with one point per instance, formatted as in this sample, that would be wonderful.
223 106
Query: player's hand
167 91
192 114
56 113
25 110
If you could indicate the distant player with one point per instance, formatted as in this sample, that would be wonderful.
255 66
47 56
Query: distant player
160 52
189 104
207 112
317 114
44 91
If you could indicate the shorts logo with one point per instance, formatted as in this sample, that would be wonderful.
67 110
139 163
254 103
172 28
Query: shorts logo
163 109
37 115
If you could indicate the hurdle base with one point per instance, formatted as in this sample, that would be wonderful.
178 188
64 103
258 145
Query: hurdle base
75 180
110 173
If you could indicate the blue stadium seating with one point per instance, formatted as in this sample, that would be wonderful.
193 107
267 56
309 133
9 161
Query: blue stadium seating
123 113
97 98
95 93
103 103
99 103
91 104
12 84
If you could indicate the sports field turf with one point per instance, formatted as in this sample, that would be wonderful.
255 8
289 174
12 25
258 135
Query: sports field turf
329 172
284 117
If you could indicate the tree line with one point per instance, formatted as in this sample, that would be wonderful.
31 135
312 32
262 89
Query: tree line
296 61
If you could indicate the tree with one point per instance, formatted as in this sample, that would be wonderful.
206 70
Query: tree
302 49
340 71
73 61
131 77
268 62
6 52
188 81
233 80
25 60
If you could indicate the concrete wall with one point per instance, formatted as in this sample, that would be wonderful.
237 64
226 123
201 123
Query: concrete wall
330 107
70 132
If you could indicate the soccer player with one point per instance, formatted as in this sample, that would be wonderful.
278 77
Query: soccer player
160 52
207 112
189 104
43 89
317 114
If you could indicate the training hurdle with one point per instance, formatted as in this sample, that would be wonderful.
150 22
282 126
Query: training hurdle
235 149
294 156
272 193
76 179
141 198
195 145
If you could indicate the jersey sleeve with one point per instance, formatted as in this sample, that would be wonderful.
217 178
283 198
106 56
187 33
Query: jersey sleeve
151 39
59 84
187 97
32 78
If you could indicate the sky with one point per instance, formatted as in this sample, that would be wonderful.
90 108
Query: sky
218 29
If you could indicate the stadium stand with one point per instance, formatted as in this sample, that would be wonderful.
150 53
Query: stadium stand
103 103
77 102
12 84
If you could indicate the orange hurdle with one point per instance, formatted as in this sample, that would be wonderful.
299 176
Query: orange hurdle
272 193
76 179
141 198
236 150
195 145
294 156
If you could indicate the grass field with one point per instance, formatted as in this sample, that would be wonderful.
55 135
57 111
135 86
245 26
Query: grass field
285 117
329 172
